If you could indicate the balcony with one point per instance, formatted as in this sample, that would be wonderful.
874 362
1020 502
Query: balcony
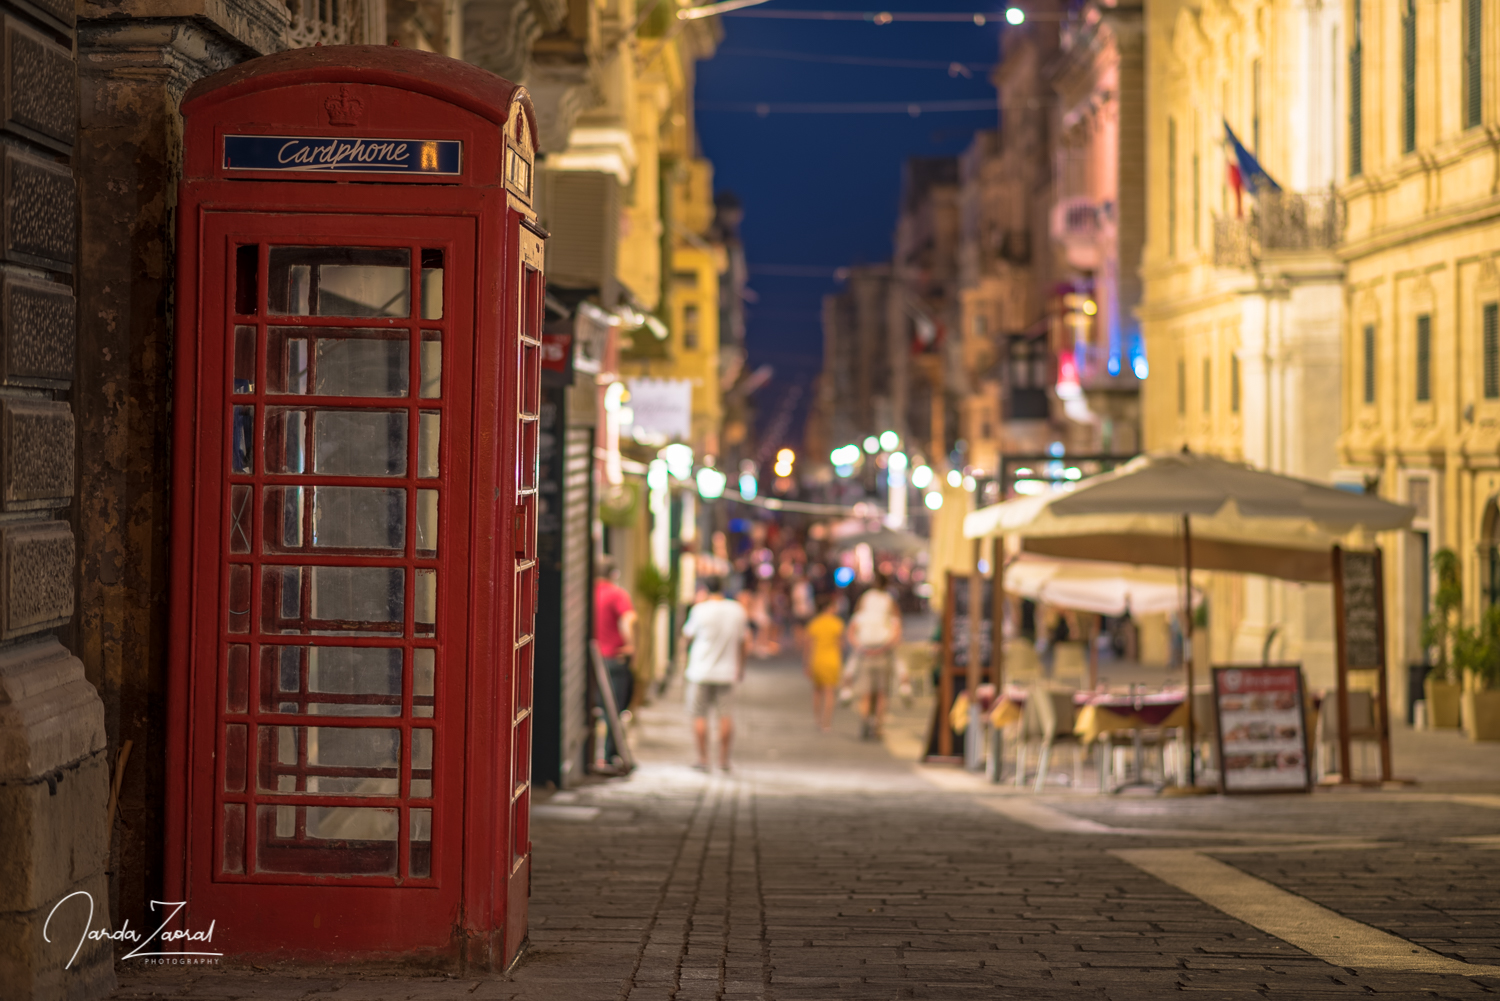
1279 222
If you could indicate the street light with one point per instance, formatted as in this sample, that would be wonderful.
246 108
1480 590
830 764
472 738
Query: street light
921 477
955 478
933 501
711 483
784 460
872 444
1015 15
889 440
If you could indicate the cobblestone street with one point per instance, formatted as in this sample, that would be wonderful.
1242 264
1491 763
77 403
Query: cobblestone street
823 867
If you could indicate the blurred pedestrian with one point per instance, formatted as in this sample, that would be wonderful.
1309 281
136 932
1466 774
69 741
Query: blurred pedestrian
874 631
614 630
823 653
717 630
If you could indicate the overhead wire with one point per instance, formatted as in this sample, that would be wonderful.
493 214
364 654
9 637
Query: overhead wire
819 57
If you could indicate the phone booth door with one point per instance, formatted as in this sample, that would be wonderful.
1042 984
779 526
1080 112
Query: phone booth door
343 379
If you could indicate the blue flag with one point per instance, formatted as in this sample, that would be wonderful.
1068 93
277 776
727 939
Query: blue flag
1252 174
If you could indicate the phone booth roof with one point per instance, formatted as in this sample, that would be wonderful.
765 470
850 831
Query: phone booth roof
245 96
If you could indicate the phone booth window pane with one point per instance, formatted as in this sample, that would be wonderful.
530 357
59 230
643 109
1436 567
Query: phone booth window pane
420 838
239 598
242 439
329 761
429 437
359 518
426 602
340 281
432 284
237 679
338 681
234 837
246 279
423 678
240 518
281 526
244 359
432 365
325 841
359 442
421 764
234 757
331 361
340 600
427 523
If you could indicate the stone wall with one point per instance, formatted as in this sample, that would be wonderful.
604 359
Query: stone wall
54 772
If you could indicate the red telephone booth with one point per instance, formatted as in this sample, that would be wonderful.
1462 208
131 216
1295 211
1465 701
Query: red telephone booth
358 348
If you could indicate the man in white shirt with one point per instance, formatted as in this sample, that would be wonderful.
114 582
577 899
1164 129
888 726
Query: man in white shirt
874 631
717 632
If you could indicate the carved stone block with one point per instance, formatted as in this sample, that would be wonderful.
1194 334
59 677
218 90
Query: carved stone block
38 89
36 577
38 333
39 207
36 454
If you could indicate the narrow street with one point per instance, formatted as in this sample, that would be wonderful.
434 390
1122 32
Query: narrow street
823 867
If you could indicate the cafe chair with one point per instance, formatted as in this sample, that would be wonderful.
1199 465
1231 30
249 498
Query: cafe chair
1363 730
1048 721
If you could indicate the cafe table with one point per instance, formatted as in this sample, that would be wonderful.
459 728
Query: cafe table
1136 713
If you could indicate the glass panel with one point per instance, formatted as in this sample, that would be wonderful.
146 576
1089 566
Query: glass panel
328 361
234 757
329 761
339 600
429 434
520 827
421 764
237 684
423 676
425 602
241 439
523 674
282 522
427 522
239 518
432 365
420 843
234 837
286 440
526 456
432 284
359 442
239 598
325 841
359 517
340 681
340 281
246 279
244 359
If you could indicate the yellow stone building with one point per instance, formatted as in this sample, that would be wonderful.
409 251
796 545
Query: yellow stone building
1241 310
1421 338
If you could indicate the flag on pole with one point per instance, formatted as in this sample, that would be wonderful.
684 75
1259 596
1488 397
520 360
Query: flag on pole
1245 172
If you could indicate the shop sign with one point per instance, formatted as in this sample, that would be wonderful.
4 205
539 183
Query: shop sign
1262 729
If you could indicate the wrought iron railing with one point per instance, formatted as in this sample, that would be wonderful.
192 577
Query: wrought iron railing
1279 221
329 22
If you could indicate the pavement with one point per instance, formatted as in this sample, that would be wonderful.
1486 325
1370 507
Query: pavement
822 866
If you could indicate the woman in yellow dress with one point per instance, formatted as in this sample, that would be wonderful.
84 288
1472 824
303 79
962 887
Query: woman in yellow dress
823 656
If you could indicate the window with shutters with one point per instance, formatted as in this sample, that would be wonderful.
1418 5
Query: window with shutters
1408 76
1369 360
1234 384
1172 187
1208 384
1424 358
1181 388
1473 65
1197 187
1356 93
1491 325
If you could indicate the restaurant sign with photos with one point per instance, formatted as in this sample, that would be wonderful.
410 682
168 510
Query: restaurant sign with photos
1262 729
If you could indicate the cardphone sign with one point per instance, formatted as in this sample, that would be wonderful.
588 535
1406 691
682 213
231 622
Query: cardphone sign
341 155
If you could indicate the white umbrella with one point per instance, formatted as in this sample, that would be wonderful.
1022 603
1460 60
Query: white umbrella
1248 520
1093 586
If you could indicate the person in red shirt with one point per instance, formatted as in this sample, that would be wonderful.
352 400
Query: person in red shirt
614 630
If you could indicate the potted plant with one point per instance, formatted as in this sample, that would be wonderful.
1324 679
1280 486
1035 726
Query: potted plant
1476 653
1441 688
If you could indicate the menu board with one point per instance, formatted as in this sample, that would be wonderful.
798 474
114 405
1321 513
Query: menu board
1362 608
959 645
1262 729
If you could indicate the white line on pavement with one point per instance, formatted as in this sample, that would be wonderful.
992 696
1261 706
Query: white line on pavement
1296 920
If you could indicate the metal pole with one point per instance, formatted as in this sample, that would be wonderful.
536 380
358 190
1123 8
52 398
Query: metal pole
1187 640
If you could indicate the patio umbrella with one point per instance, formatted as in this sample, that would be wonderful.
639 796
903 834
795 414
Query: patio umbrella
1093 586
1221 515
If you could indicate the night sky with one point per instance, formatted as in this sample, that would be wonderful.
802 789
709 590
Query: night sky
821 191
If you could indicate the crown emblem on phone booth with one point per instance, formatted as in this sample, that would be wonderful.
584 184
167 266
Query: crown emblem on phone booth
344 109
